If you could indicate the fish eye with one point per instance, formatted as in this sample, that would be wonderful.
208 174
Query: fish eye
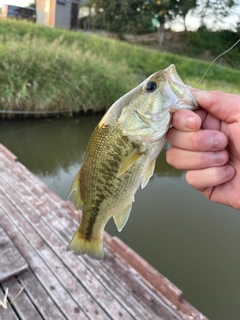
151 86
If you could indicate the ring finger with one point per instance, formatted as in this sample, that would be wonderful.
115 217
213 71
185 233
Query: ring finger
187 160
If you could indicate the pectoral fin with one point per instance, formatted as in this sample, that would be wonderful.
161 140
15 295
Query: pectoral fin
128 161
76 187
148 173
121 218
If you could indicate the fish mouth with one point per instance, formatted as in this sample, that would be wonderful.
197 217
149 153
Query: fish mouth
183 96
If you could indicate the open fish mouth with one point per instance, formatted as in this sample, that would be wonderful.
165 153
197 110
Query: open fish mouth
183 96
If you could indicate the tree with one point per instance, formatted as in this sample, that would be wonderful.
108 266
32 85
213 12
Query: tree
216 10
167 10
122 16
184 7
32 4
112 15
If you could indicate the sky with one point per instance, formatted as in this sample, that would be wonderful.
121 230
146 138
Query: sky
20 3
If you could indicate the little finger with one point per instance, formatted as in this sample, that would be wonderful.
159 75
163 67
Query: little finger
209 177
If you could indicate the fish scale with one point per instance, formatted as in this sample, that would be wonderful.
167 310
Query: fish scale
107 188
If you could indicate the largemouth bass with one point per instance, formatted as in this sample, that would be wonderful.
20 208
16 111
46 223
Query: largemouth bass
121 155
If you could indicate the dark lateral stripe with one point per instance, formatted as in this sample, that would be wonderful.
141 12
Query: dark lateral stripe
107 173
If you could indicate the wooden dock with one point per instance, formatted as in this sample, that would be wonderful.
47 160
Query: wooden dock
39 279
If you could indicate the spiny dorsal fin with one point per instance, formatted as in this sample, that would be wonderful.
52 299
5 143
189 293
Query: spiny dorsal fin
128 161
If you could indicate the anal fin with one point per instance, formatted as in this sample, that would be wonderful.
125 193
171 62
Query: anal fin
121 218
77 200
148 173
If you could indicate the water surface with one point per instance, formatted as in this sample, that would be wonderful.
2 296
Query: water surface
193 242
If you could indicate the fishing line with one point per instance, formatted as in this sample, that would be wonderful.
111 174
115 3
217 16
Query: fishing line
215 60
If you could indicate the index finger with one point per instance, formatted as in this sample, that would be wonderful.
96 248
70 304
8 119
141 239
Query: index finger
224 106
186 120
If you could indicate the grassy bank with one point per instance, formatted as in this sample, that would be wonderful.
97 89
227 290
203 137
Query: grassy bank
48 70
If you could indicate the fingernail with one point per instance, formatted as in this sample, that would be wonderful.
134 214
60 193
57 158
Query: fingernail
218 141
229 172
190 122
220 157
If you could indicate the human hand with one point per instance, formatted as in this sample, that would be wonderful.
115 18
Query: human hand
206 143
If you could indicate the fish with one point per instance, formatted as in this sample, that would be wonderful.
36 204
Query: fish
121 156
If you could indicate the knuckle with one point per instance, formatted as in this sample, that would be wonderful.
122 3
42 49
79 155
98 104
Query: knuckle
201 159
213 177
196 141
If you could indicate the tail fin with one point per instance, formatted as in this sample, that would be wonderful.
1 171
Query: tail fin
92 247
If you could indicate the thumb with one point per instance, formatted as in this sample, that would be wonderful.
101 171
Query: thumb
224 106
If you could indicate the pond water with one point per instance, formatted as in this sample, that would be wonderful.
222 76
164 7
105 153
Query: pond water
193 242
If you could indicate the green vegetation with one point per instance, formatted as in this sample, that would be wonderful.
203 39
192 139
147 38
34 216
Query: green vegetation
213 43
44 70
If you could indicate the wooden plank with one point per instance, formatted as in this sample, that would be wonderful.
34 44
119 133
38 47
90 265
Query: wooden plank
162 287
24 307
97 269
109 279
112 272
12 262
134 283
38 295
106 300
71 310
6 313
7 153
77 291
170 295
151 303
116 272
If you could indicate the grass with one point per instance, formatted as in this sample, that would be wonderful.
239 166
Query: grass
54 70
38 75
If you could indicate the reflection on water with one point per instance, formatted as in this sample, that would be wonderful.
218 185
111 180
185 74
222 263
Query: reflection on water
193 242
